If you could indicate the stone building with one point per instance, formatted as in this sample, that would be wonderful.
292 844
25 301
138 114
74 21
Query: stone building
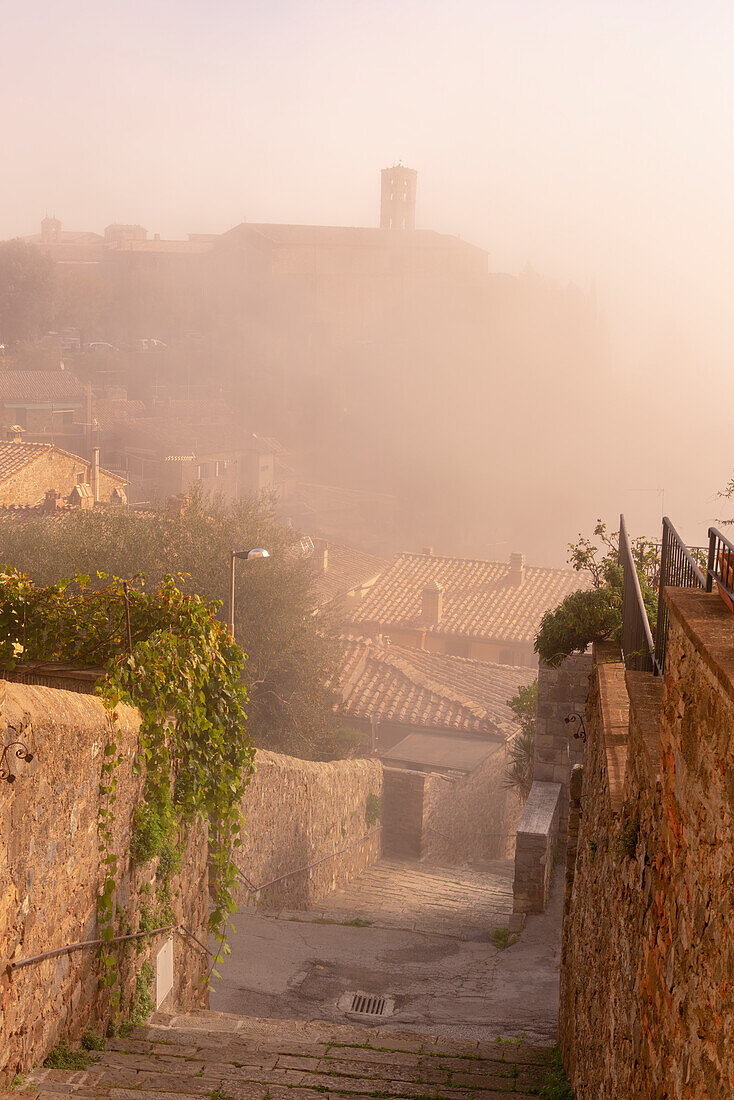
35 474
51 406
413 699
485 610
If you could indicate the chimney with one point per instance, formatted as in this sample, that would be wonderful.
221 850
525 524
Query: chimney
52 501
432 603
516 575
15 434
95 474
321 556
427 551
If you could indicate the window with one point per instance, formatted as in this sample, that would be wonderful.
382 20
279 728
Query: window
203 470
80 479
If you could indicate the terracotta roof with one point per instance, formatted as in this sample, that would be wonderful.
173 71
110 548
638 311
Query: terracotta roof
109 414
395 684
39 386
346 568
15 456
480 599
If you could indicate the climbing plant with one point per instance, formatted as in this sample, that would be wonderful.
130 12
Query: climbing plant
183 672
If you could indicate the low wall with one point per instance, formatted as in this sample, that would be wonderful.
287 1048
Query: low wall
647 1004
299 813
50 874
472 818
562 691
450 819
535 846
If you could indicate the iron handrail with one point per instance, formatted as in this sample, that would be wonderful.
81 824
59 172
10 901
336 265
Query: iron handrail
253 889
720 567
16 964
679 569
638 647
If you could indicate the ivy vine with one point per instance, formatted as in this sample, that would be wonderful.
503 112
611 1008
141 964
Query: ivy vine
183 673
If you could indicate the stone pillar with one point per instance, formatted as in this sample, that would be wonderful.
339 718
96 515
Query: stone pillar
562 691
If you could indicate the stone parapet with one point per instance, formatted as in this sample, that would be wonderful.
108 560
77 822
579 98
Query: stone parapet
537 837
50 875
647 1003
311 825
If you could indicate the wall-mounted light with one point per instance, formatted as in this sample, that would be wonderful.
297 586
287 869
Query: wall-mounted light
580 727
20 753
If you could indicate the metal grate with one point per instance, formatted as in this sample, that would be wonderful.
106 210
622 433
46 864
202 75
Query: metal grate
366 1004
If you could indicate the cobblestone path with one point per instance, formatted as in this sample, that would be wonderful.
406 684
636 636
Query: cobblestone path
227 1057
418 898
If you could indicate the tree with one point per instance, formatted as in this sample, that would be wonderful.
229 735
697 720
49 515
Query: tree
519 773
595 614
291 653
26 291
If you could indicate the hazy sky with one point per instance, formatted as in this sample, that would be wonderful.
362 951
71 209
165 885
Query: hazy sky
592 139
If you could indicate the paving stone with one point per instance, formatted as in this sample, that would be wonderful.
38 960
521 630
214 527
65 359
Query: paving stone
252 1059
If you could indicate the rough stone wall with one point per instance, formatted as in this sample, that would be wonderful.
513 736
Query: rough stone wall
561 691
402 812
537 839
470 818
50 875
647 1005
58 470
449 819
298 812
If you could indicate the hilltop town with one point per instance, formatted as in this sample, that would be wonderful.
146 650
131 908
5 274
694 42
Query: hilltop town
311 781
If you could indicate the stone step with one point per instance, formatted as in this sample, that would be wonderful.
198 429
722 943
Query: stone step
204 1054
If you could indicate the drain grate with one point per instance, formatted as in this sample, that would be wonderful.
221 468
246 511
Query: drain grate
367 1004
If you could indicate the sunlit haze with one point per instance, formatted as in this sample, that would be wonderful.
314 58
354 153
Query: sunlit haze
591 141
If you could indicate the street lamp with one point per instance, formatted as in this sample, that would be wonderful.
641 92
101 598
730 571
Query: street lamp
247 555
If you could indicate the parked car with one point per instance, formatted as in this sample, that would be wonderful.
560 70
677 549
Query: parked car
101 345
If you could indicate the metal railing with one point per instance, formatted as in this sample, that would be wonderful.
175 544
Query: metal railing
638 648
720 568
679 569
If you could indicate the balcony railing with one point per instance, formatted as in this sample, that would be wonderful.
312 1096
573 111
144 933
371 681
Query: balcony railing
678 569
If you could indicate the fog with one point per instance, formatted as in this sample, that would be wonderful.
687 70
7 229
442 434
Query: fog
586 147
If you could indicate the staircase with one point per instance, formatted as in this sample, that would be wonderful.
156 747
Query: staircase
225 1057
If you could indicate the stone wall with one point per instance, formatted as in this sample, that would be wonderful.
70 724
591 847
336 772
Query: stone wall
471 818
647 1004
50 874
535 847
450 819
562 691
299 813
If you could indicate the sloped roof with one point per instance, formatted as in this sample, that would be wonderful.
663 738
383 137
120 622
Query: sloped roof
346 568
390 683
289 236
480 599
40 386
15 456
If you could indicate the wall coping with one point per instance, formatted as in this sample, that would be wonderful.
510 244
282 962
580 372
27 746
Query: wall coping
709 626
646 703
615 711
537 816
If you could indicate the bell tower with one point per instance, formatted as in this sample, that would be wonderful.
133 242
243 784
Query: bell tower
50 231
397 200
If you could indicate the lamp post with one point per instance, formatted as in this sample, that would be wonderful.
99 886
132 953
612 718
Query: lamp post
247 555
